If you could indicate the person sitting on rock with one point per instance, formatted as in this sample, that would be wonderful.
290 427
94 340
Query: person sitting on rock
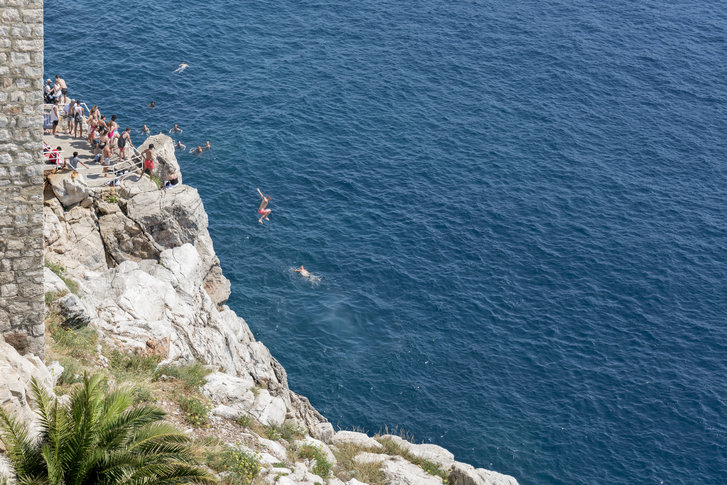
172 180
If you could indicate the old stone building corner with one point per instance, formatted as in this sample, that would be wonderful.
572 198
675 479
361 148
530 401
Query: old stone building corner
21 175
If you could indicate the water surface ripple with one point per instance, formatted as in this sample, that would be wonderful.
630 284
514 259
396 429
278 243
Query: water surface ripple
516 208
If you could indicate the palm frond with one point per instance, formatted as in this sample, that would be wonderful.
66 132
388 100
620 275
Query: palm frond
22 452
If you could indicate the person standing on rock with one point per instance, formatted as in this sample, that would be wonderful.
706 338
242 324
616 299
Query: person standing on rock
148 156
124 141
64 88
73 162
263 210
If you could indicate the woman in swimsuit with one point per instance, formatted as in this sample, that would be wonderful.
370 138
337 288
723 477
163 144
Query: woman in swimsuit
112 129
263 210
103 140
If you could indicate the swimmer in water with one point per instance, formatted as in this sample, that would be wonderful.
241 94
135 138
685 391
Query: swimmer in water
207 146
152 104
181 67
263 210
196 150
175 129
180 145
145 129
307 274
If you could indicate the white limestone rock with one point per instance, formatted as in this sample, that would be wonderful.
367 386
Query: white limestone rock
399 471
233 394
165 160
171 218
134 185
358 439
74 240
310 441
322 431
16 372
269 410
274 448
69 187
436 454
124 239
464 474
74 313
53 283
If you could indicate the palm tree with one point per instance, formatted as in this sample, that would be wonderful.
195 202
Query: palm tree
98 438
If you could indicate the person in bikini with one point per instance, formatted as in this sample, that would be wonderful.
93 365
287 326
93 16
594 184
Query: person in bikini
263 210
148 156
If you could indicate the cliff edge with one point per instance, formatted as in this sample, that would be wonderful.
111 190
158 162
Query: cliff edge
135 264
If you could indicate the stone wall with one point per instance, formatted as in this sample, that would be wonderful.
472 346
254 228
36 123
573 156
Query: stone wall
21 180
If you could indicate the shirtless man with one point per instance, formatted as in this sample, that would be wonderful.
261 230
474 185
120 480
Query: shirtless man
175 129
148 156
181 67
106 159
307 274
263 210
152 104
145 129
207 146
196 150
180 145
64 87
303 272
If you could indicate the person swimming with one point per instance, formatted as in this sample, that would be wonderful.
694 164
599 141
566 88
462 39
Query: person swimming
181 67
307 274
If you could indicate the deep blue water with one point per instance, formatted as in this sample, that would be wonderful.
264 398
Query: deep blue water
516 209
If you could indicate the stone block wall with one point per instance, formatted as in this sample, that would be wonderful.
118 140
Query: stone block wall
21 174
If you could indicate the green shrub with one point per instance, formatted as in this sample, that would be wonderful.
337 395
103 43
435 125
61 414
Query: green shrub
243 420
242 466
322 467
192 375
60 271
136 364
52 296
72 373
288 431
143 394
272 432
196 412
79 343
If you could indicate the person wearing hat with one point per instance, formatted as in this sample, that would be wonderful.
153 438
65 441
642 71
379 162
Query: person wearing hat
48 91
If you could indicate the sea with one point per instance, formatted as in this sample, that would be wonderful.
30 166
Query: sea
516 210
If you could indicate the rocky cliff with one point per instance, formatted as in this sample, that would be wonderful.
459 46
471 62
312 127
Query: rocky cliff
146 278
